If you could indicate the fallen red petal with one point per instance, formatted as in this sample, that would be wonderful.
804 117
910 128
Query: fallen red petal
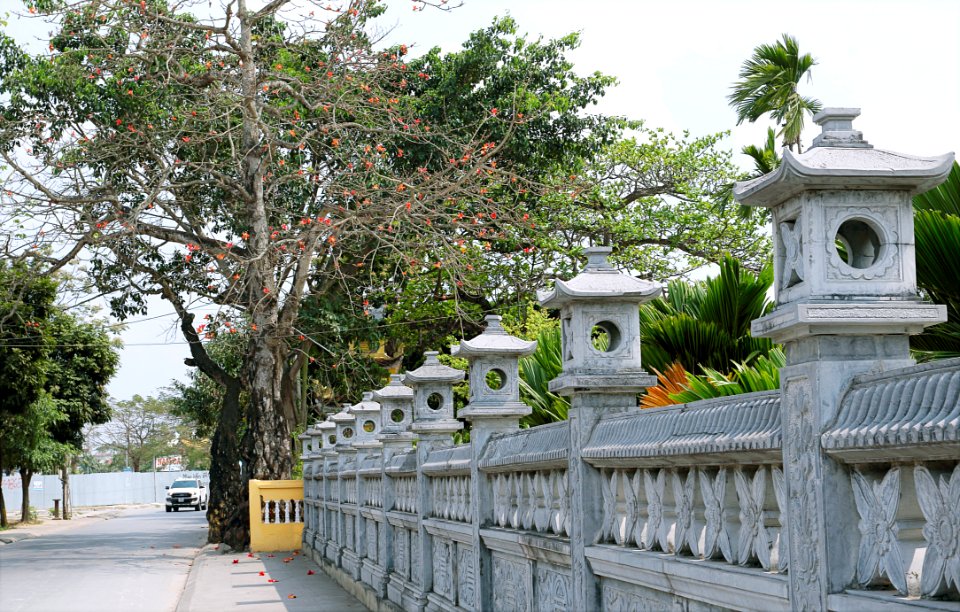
291 596
263 573
310 572
236 561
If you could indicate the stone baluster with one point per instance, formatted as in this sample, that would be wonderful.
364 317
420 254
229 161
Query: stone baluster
434 424
396 416
602 375
494 407
845 280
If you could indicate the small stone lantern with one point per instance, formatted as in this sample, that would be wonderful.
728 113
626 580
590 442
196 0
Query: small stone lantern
433 396
494 379
600 327
346 424
367 413
304 445
396 410
328 434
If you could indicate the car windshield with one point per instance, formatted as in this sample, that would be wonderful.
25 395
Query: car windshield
184 484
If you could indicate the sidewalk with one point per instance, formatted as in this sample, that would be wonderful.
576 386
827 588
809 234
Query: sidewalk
261 582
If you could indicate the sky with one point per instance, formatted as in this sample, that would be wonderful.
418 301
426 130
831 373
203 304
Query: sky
899 61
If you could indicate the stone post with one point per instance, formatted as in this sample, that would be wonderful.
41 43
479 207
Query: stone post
346 460
396 415
494 407
328 441
602 375
434 424
305 458
368 428
845 281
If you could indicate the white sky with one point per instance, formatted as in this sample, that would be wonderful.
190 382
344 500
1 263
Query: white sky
899 60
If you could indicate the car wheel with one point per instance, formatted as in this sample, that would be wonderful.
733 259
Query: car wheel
169 509
176 508
197 507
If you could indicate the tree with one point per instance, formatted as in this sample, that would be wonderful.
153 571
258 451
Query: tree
707 324
768 84
141 429
252 161
937 236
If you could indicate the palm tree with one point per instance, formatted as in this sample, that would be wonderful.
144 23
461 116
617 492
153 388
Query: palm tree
937 238
768 84
707 324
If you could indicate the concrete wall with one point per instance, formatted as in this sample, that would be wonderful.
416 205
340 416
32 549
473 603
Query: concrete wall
96 489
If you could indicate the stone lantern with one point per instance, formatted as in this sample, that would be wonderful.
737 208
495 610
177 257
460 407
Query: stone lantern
304 445
843 234
346 424
396 412
600 327
494 379
367 413
327 431
847 301
433 396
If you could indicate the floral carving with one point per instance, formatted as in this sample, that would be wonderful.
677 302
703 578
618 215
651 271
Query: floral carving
401 556
653 532
877 505
372 540
801 451
791 235
754 541
621 600
940 502
715 531
685 536
608 488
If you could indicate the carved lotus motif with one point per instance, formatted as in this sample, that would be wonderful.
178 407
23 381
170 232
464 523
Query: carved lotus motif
754 540
877 505
939 502
715 532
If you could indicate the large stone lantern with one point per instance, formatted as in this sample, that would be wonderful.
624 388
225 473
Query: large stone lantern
843 235
432 385
600 327
396 412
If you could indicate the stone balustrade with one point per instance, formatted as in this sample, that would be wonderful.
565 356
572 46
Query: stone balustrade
840 491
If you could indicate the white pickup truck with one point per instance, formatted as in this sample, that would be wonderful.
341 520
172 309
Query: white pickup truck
186 492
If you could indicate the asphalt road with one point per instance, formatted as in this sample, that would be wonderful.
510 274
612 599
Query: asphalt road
128 561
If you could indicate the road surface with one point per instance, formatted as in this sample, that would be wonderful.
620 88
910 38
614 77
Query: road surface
130 561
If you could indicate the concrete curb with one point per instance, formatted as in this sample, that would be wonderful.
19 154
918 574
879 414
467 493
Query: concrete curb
193 577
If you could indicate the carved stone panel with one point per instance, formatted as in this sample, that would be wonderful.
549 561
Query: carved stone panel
552 590
443 568
512 582
401 552
372 540
617 598
466 577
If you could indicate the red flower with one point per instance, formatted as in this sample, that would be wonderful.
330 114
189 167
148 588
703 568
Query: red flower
235 561
310 572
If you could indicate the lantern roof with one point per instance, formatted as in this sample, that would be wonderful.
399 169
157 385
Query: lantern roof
600 279
433 371
840 159
395 389
344 415
328 424
493 341
366 404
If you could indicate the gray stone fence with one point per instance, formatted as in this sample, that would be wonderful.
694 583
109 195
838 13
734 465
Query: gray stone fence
840 491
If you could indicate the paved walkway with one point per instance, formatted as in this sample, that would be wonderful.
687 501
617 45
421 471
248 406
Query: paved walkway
261 582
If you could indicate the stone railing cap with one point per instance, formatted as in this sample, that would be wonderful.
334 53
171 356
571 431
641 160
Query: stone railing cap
433 371
494 341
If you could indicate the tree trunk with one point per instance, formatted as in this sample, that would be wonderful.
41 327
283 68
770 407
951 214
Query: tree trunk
65 482
226 508
3 507
25 477
269 451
